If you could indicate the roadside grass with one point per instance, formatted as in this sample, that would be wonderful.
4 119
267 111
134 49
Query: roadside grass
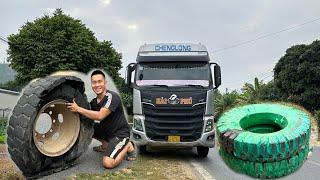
143 168
163 165
2 139
149 166
3 128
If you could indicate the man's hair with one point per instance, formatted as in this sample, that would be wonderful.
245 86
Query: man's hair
95 72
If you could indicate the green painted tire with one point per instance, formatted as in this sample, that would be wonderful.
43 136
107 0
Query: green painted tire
268 169
264 132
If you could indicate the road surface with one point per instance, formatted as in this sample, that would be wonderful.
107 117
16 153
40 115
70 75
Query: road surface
208 168
213 167
90 162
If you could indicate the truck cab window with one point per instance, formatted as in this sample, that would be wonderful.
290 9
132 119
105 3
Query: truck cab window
173 74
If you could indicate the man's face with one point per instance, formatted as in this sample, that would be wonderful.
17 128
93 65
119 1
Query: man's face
98 84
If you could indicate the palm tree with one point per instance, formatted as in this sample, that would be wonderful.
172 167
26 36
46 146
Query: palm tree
251 92
224 102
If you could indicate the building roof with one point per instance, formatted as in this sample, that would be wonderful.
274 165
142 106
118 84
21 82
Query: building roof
5 91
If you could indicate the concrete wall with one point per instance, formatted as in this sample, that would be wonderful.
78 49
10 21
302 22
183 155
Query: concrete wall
8 99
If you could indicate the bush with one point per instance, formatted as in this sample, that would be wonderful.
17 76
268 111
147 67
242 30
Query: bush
127 101
3 125
2 139
317 116
58 42
297 77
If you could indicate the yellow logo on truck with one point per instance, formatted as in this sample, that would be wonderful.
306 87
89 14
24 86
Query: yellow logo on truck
173 100
186 100
161 100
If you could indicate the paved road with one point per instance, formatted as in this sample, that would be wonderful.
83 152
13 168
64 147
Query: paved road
90 162
211 167
217 169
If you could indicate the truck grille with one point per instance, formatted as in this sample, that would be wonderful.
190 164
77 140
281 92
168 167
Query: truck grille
186 122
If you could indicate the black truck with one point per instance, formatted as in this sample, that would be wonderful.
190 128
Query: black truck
173 96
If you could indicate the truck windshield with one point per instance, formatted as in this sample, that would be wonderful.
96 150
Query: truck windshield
173 74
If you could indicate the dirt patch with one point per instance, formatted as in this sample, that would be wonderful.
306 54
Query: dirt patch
314 136
163 165
189 170
8 170
3 148
173 163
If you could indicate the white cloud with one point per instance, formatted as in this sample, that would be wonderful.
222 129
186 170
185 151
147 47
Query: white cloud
76 12
129 26
259 67
253 24
132 27
49 10
105 2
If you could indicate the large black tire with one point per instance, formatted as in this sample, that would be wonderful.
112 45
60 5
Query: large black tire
21 146
143 149
202 151
268 169
264 132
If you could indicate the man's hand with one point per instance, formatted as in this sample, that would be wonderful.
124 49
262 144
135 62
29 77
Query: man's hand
73 106
94 115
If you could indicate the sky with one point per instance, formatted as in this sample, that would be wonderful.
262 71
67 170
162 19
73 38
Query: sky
216 24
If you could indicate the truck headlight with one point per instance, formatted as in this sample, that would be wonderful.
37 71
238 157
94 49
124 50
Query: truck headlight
137 122
209 123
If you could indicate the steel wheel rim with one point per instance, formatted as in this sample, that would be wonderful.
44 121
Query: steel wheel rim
59 137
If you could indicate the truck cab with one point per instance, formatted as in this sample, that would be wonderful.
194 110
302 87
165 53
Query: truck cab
173 85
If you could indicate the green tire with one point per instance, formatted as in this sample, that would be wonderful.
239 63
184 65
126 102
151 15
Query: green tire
268 169
264 132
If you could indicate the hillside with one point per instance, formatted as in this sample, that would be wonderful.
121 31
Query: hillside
6 73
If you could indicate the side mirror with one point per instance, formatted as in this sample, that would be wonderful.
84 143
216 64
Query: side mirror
217 75
131 67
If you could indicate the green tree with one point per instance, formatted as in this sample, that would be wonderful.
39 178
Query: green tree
59 42
127 99
297 76
251 92
223 102
269 92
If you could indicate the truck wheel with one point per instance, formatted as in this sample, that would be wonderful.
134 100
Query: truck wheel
143 149
264 132
43 135
202 151
268 169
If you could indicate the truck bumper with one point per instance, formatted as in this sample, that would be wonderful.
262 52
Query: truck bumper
206 140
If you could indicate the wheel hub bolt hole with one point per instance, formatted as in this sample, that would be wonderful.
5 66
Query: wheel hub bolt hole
60 118
40 143
55 136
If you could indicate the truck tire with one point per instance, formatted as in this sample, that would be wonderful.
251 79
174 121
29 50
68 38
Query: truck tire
143 149
38 150
202 151
265 169
264 132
